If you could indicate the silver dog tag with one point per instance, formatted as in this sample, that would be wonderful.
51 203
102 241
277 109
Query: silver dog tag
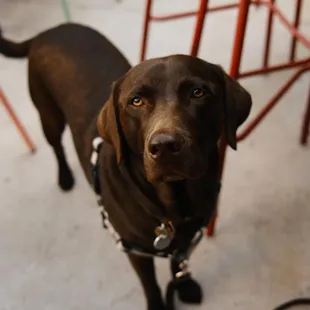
161 242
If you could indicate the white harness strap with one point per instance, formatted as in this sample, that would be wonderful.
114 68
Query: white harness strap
97 142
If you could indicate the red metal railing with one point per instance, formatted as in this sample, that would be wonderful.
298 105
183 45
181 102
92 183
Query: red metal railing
17 122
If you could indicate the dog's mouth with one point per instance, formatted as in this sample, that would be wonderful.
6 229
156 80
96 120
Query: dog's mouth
160 174
166 177
172 178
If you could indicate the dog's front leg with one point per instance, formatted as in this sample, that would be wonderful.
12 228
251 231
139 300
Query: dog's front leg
188 289
144 267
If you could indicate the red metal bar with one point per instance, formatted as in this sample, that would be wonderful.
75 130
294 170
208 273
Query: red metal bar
306 124
268 37
303 40
173 16
269 106
296 26
211 227
194 13
275 68
234 72
147 19
239 38
17 123
199 26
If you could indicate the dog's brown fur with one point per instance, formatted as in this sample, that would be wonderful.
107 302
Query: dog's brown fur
159 161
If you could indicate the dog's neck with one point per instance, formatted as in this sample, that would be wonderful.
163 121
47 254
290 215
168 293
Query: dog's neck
175 198
178 199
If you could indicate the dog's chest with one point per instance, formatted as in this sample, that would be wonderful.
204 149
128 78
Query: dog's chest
136 208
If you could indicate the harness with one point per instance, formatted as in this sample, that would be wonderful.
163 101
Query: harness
180 257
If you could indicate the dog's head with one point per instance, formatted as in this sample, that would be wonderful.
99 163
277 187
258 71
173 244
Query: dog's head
172 111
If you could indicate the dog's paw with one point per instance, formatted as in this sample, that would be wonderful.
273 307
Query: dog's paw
190 292
66 180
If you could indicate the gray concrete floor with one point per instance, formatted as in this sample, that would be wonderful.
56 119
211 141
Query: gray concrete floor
53 252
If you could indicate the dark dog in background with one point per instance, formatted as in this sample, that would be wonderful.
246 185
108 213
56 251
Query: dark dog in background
161 123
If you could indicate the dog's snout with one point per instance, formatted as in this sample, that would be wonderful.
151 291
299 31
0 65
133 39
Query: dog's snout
164 144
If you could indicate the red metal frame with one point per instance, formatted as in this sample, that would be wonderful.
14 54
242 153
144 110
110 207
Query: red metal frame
271 104
268 37
296 25
243 10
16 121
203 9
201 16
269 69
235 73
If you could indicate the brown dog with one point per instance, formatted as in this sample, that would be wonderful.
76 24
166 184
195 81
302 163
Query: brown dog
161 123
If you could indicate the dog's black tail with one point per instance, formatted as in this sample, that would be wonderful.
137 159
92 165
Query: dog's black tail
12 49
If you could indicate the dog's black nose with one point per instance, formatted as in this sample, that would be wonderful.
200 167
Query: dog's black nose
164 144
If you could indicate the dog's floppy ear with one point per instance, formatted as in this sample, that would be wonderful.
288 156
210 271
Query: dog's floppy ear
237 107
108 122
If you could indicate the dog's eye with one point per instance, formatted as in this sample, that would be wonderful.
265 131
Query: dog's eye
198 93
137 101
